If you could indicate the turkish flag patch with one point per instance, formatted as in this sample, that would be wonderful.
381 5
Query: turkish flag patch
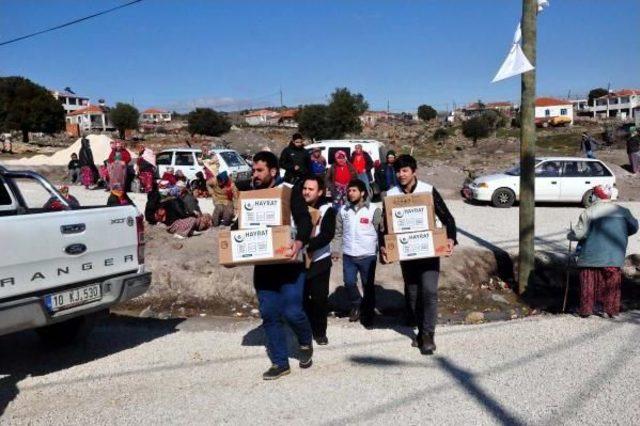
364 220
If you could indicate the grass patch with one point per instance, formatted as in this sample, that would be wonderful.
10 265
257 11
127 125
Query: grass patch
508 133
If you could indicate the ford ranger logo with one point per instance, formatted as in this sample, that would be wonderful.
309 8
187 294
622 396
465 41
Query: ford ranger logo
75 249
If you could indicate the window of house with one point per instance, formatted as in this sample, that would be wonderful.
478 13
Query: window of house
563 111
547 112
613 101
601 102
624 100
73 101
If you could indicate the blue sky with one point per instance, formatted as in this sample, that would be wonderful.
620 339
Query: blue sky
235 54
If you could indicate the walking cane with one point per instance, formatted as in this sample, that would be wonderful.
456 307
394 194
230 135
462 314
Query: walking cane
566 284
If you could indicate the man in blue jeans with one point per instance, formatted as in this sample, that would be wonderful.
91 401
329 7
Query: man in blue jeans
359 227
280 288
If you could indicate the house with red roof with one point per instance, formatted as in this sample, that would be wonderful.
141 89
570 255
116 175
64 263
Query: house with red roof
155 116
623 103
262 117
91 118
553 111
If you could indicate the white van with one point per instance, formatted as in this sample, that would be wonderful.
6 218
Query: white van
329 147
189 161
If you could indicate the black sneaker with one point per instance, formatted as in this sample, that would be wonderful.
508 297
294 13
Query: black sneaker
305 354
428 344
275 372
322 340
354 315
416 342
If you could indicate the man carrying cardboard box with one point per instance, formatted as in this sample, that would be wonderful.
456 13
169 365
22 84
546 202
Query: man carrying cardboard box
359 228
280 287
319 250
421 275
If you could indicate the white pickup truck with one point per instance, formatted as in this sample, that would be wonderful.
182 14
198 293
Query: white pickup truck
60 268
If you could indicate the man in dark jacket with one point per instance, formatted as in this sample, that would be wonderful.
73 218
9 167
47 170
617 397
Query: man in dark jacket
280 287
295 160
421 276
316 293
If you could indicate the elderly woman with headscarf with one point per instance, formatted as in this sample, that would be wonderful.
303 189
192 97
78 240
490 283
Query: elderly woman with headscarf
88 171
118 196
339 176
117 163
603 231
146 168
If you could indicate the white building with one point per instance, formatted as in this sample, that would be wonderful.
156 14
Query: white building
155 116
262 117
69 100
91 118
553 111
622 104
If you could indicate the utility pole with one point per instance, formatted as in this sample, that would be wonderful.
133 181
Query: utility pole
526 258
281 103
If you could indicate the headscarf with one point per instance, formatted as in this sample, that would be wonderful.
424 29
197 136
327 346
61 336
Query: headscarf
341 158
603 192
225 183
86 155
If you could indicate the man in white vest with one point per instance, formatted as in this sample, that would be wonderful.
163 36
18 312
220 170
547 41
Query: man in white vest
316 293
421 275
359 227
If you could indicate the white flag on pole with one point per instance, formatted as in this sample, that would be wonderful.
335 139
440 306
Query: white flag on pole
516 61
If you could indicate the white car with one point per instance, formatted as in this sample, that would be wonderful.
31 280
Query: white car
558 179
189 161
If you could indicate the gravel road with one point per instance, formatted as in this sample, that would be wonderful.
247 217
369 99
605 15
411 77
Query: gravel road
479 225
541 370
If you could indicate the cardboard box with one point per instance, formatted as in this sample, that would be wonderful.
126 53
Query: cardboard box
415 245
255 246
409 213
264 207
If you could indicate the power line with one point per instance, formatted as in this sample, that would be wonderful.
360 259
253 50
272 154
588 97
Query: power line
57 27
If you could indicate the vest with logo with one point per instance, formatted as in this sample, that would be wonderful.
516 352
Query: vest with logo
322 252
421 188
359 236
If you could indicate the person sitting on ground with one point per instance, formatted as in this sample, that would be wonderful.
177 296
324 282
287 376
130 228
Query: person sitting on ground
199 186
180 177
191 206
73 168
54 204
225 195
171 212
169 176
118 196
603 231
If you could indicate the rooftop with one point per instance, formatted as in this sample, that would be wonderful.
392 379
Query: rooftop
545 102
91 109
155 111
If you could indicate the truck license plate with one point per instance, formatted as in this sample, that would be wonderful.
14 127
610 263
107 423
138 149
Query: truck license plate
73 297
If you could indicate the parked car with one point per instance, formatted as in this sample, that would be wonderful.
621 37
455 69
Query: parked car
189 161
59 269
558 179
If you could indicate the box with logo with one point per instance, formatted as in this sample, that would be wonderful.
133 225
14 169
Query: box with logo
415 245
409 213
255 246
264 207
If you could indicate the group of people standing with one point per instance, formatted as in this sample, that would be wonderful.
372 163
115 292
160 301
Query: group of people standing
298 292
376 176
